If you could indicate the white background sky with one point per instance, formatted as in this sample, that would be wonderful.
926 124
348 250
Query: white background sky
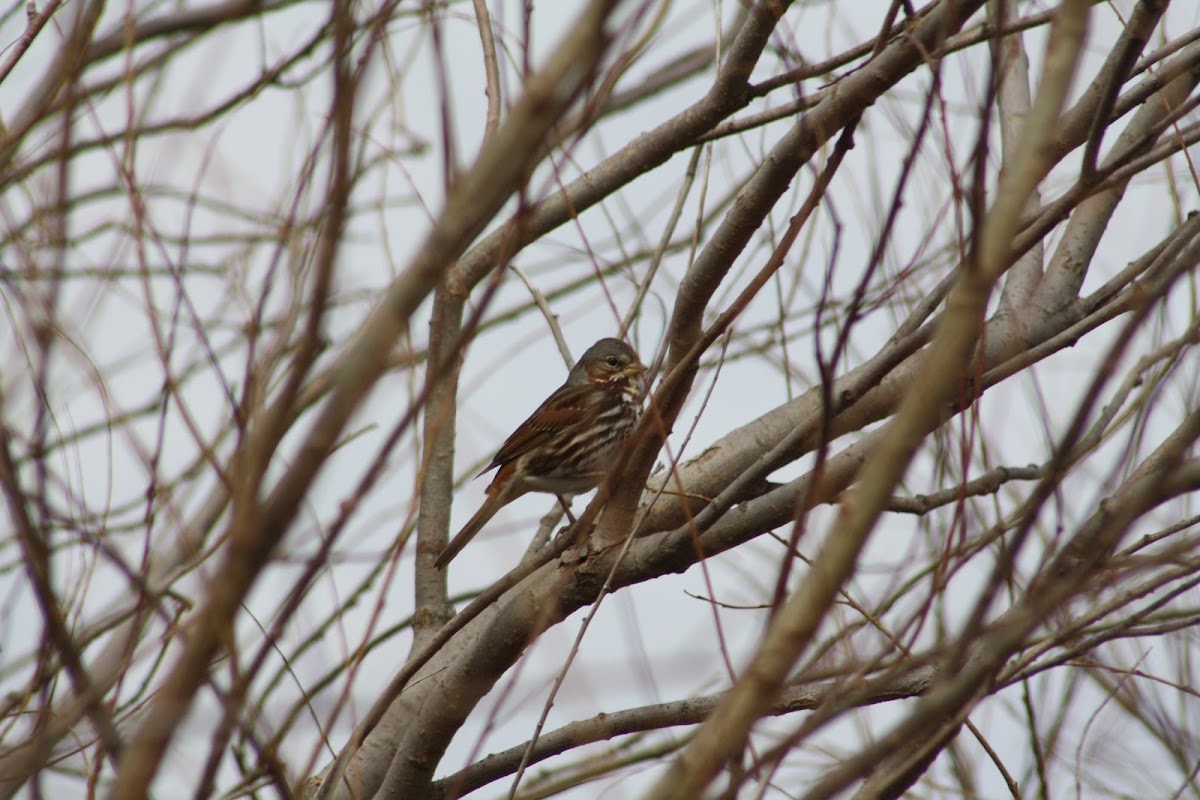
649 644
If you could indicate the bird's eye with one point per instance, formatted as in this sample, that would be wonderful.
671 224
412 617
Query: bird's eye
613 361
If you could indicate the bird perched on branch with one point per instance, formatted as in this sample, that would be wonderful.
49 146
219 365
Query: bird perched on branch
567 445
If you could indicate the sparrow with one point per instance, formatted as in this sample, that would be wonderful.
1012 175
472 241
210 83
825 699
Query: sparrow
567 445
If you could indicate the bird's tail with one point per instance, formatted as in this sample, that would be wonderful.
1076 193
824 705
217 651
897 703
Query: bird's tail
486 511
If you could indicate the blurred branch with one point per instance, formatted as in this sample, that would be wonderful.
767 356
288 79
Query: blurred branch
62 70
948 357
692 711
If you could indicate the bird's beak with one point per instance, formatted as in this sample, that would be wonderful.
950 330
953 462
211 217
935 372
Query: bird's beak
635 374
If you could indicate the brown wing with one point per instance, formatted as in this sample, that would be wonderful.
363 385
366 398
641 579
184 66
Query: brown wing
566 407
